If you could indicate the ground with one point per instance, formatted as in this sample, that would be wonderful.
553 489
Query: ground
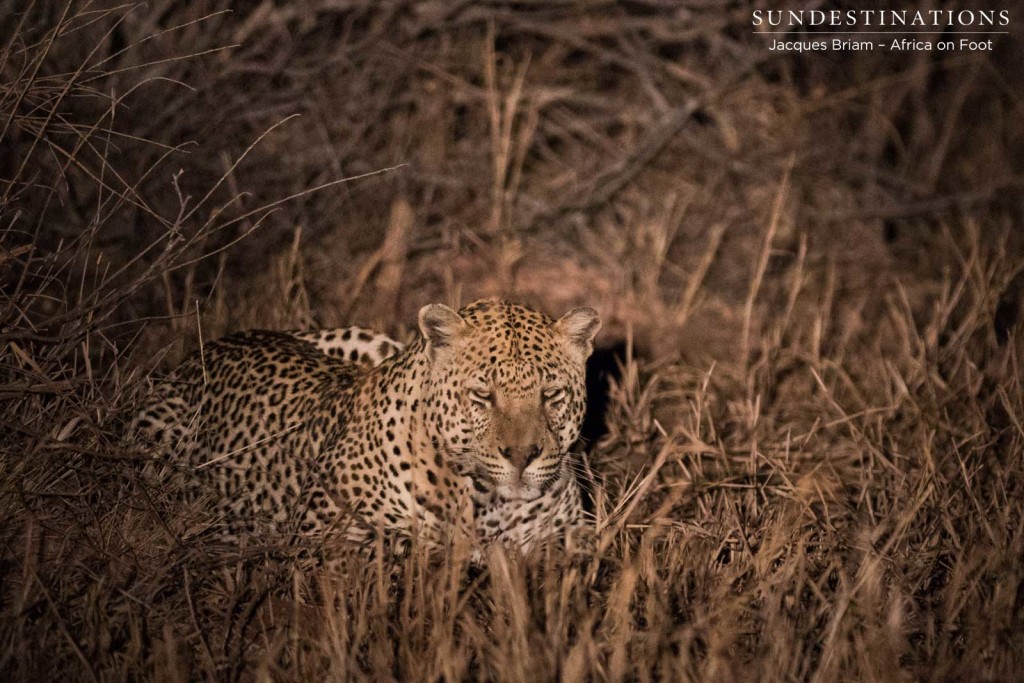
806 458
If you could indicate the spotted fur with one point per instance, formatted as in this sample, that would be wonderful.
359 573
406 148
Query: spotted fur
466 430
354 344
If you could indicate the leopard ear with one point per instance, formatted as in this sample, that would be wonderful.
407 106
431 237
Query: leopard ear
440 326
580 326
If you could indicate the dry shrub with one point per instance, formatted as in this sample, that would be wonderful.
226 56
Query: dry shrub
810 465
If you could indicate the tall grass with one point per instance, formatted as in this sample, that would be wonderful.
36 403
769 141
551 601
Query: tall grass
811 463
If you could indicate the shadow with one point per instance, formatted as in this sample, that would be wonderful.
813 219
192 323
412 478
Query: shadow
604 365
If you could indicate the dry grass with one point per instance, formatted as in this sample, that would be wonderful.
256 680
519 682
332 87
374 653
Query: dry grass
809 268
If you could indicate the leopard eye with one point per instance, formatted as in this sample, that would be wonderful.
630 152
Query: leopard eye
481 396
553 395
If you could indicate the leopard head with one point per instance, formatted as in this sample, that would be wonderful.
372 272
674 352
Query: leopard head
507 390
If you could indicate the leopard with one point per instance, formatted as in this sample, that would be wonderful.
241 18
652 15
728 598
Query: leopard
467 431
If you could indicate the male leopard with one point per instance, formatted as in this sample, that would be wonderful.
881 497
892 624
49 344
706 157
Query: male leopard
466 430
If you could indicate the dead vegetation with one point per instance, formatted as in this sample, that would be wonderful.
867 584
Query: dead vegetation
811 460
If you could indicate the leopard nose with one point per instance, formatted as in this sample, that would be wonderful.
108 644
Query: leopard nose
521 456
